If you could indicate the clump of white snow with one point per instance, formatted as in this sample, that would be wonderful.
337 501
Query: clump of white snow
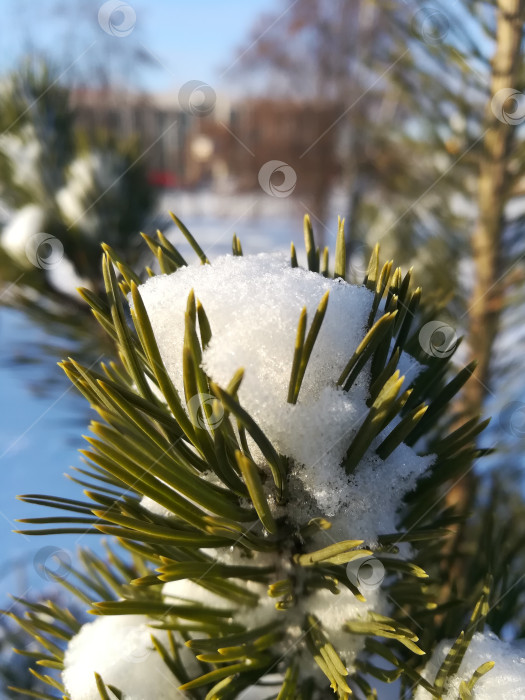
333 610
155 508
23 151
87 175
376 491
189 591
253 304
23 225
119 648
506 680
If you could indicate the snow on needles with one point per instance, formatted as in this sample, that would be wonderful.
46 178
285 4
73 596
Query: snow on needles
506 680
253 304
120 650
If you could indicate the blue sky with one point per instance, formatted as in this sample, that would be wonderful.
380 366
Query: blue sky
185 40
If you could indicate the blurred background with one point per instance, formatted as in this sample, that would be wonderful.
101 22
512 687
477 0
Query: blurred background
405 118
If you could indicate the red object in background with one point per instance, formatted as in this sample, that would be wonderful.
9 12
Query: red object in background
162 178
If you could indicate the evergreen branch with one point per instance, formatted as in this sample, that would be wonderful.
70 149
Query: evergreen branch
340 251
308 345
326 658
171 250
339 553
364 350
150 346
309 244
465 689
293 256
236 246
274 460
191 240
325 262
252 479
298 353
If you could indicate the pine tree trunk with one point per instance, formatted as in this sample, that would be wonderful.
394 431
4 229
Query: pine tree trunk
486 302
487 297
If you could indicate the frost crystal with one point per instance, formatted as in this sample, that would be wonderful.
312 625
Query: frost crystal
27 222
